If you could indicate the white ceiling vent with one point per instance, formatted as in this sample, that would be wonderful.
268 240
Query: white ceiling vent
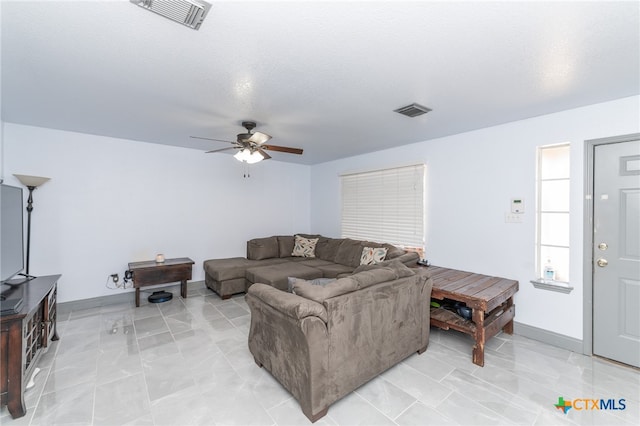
186 12
412 110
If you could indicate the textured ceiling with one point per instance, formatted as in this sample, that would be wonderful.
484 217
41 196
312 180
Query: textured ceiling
322 76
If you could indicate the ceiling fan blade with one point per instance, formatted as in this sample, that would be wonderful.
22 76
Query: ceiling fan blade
259 138
282 149
223 149
211 139
264 154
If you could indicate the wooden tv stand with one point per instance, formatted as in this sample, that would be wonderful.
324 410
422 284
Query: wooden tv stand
24 336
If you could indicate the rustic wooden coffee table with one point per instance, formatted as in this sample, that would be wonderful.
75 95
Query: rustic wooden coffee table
152 273
490 298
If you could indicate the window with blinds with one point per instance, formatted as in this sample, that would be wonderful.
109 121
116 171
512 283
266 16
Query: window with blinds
385 206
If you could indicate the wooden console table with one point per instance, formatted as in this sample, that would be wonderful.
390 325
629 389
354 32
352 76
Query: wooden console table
490 298
23 338
152 273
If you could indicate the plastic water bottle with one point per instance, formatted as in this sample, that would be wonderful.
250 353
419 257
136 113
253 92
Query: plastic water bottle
549 271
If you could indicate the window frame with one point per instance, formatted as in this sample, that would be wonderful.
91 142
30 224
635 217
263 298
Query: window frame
562 278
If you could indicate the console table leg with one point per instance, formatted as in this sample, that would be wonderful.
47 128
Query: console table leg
183 289
137 297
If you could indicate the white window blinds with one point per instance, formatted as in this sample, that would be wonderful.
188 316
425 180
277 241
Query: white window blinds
385 206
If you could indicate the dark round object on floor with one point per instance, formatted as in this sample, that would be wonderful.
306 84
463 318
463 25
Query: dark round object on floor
160 296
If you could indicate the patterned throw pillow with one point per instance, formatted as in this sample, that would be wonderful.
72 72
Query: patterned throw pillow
373 255
304 247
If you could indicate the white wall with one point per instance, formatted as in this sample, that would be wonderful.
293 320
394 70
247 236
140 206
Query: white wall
113 201
471 178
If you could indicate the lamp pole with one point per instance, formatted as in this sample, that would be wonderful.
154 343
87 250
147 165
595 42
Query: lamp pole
29 210
31 182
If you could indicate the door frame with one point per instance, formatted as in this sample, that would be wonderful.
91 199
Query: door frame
587 262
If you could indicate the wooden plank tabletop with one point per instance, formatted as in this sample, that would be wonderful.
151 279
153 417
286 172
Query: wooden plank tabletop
167 262
477 290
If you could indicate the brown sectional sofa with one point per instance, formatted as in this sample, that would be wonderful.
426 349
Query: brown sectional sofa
269 261
323 342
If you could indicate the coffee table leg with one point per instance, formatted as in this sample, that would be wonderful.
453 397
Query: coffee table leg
508 327
478 348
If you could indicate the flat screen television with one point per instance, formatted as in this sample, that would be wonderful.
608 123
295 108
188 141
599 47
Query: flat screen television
11 232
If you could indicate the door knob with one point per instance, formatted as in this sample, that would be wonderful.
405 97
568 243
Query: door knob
602 262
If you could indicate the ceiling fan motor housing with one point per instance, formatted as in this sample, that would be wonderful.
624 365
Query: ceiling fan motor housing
249 125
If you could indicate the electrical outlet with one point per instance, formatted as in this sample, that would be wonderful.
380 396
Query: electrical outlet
513 217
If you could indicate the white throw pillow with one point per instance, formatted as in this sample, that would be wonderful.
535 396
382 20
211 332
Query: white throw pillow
304 247
373 255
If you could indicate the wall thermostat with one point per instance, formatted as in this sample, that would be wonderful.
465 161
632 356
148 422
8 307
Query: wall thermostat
517 205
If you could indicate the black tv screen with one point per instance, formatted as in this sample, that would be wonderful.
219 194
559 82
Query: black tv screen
11 232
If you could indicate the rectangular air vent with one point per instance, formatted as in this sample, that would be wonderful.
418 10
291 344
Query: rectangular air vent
412 110
186 12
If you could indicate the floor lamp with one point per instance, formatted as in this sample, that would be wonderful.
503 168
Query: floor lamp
31 182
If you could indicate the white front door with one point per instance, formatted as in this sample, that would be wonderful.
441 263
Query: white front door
616 252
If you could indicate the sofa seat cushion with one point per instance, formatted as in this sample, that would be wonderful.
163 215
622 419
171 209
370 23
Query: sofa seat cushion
277 275
314 262
333 270
234 267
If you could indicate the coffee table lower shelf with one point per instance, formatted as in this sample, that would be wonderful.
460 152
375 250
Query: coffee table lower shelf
490 299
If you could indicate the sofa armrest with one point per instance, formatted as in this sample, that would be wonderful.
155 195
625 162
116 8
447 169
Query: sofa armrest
289 338
289 304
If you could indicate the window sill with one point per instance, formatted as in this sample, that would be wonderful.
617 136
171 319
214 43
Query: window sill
559 286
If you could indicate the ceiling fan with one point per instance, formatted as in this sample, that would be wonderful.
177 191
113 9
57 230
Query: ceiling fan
251 146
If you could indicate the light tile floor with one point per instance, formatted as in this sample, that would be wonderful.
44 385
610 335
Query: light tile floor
186 362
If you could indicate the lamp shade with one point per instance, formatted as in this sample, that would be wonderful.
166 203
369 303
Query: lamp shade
34 181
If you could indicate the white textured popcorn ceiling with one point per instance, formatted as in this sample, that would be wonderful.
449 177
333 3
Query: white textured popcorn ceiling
322 76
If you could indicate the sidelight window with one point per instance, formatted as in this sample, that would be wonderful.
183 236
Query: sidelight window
552 213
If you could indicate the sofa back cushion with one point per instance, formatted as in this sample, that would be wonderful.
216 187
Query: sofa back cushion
374 276
327 248
320 293
393 251
285 245
262 248
349 253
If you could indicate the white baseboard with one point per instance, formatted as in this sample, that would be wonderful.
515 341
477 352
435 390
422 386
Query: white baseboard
129 296
549 337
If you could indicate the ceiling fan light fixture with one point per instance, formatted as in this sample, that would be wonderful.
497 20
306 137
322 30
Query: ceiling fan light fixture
255 157
246 156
